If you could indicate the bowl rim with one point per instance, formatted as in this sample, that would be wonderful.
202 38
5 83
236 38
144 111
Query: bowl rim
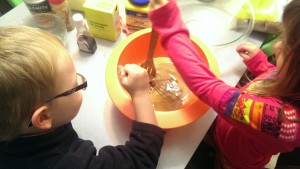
166 120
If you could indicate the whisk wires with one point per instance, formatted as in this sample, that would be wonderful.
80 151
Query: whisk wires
167 88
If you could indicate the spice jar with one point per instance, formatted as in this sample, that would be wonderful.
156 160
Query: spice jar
62 9
137 14
40 9
85 40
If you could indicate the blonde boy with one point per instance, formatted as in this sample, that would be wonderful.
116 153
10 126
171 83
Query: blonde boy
40 93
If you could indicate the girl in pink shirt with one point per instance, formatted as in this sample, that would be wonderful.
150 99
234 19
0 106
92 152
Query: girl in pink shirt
258 120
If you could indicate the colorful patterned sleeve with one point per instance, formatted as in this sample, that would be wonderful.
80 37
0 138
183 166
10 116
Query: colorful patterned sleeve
260 114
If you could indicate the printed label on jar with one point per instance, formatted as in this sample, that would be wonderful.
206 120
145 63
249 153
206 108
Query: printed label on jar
137 20
42 7
41 12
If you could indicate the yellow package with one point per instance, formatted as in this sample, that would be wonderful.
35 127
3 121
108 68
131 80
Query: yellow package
103 18
264 10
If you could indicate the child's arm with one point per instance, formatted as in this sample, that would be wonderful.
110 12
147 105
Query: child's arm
136 81
232 104
145 139
178 46
254 58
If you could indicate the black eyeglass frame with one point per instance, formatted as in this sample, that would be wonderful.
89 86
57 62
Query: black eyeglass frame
82 86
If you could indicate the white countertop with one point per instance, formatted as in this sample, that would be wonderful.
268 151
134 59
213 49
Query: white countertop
100 121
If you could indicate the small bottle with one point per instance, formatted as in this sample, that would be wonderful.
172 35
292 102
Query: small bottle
85 41
40 10
137 14
62 9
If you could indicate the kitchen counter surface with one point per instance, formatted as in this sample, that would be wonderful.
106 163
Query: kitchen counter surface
100 121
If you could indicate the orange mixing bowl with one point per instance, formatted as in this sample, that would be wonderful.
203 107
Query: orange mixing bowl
133 49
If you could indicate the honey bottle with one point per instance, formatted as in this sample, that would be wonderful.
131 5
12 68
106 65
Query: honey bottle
85 41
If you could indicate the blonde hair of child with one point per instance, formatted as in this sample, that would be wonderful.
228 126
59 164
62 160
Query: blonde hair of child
28 59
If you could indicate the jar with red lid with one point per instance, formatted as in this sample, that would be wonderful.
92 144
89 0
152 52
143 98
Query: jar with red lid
62 9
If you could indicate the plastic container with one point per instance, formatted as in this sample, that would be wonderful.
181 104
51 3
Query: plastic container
137 14
62 9
216 23
85 40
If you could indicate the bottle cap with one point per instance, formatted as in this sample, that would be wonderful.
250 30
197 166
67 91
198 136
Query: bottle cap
56 2
140 2
78 18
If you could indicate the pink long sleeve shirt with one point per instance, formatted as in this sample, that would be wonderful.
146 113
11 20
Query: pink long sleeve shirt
248 129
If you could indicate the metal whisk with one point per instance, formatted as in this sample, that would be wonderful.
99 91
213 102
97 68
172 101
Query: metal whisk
168 91
167 88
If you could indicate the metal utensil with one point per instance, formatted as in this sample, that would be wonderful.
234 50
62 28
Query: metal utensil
167 88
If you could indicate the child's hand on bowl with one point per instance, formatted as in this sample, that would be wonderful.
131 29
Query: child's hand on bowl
134 79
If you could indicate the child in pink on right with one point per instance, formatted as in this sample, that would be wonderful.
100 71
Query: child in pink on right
256 121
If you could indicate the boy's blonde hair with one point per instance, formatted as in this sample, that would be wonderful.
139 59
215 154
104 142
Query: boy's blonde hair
28 59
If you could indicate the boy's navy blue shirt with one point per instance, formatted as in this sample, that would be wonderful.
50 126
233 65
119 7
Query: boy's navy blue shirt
62 149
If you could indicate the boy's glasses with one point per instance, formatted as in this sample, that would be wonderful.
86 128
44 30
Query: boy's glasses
81 80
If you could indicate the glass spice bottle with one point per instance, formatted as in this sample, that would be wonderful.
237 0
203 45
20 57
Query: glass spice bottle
62 9
85 41
40 10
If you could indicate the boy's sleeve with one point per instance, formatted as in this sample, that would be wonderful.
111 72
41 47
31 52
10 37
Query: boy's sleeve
141 151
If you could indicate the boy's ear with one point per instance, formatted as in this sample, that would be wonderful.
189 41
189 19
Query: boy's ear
41 118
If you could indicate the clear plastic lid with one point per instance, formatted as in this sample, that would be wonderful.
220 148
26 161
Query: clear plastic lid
218 22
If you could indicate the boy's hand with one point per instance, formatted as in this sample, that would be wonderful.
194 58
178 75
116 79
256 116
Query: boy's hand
247 50
134 79
154 4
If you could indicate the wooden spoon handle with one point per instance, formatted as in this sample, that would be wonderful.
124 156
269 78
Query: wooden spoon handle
152 44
